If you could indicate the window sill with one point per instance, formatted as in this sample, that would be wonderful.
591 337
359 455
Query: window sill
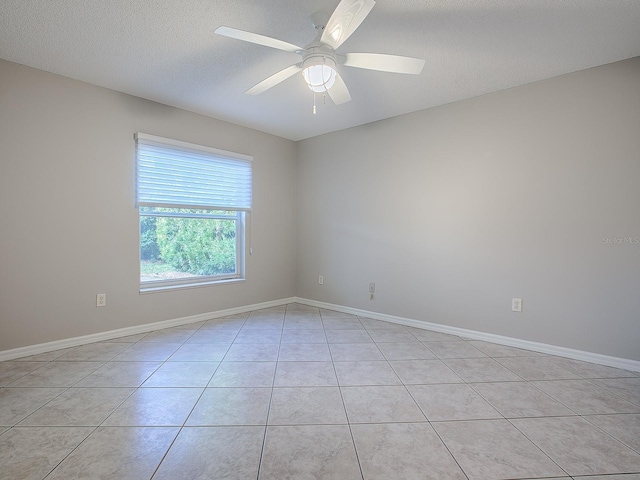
144 289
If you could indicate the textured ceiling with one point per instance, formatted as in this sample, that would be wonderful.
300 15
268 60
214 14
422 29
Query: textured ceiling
166 51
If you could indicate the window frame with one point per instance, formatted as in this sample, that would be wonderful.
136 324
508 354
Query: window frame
239 217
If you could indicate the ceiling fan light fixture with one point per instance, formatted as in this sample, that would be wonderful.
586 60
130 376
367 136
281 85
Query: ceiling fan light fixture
319 73
319 58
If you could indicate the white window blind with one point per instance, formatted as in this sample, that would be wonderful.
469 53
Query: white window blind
176 174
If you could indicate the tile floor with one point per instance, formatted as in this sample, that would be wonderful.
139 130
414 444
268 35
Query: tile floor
295 392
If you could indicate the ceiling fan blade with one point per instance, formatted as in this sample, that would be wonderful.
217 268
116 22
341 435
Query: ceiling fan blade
384 63
339 92
347 16
257 39
274 80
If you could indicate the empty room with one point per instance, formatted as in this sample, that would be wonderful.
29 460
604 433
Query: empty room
320 239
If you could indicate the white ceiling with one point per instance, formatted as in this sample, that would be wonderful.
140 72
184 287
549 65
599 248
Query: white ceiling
166 51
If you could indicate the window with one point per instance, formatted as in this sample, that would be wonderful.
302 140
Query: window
192 202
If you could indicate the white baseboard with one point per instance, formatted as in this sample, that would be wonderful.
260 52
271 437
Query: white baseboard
135 330
617 362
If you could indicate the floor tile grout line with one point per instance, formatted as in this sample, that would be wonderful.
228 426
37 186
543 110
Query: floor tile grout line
346 414
186 419
471 385
504 366
637 451
538 447
353 442
266 422
41 406
551 396
613 392
448 450
155 471
69 454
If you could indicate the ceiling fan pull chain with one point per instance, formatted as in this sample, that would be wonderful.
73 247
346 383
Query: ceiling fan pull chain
314 103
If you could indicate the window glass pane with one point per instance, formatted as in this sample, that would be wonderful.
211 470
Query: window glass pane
177 244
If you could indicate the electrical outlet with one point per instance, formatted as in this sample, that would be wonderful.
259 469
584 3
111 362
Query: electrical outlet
372 287
101 300
516 304
320 280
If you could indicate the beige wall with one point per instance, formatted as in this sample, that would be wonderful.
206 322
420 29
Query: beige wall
68 226
453 211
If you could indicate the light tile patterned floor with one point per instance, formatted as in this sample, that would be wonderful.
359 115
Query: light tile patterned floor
296 392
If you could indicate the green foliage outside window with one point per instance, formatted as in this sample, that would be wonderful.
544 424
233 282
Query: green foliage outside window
197 246
149 249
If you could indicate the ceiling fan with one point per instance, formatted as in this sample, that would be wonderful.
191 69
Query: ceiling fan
319 58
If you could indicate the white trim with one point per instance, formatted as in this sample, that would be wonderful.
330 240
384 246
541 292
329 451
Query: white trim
123 332
617 362
164 286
